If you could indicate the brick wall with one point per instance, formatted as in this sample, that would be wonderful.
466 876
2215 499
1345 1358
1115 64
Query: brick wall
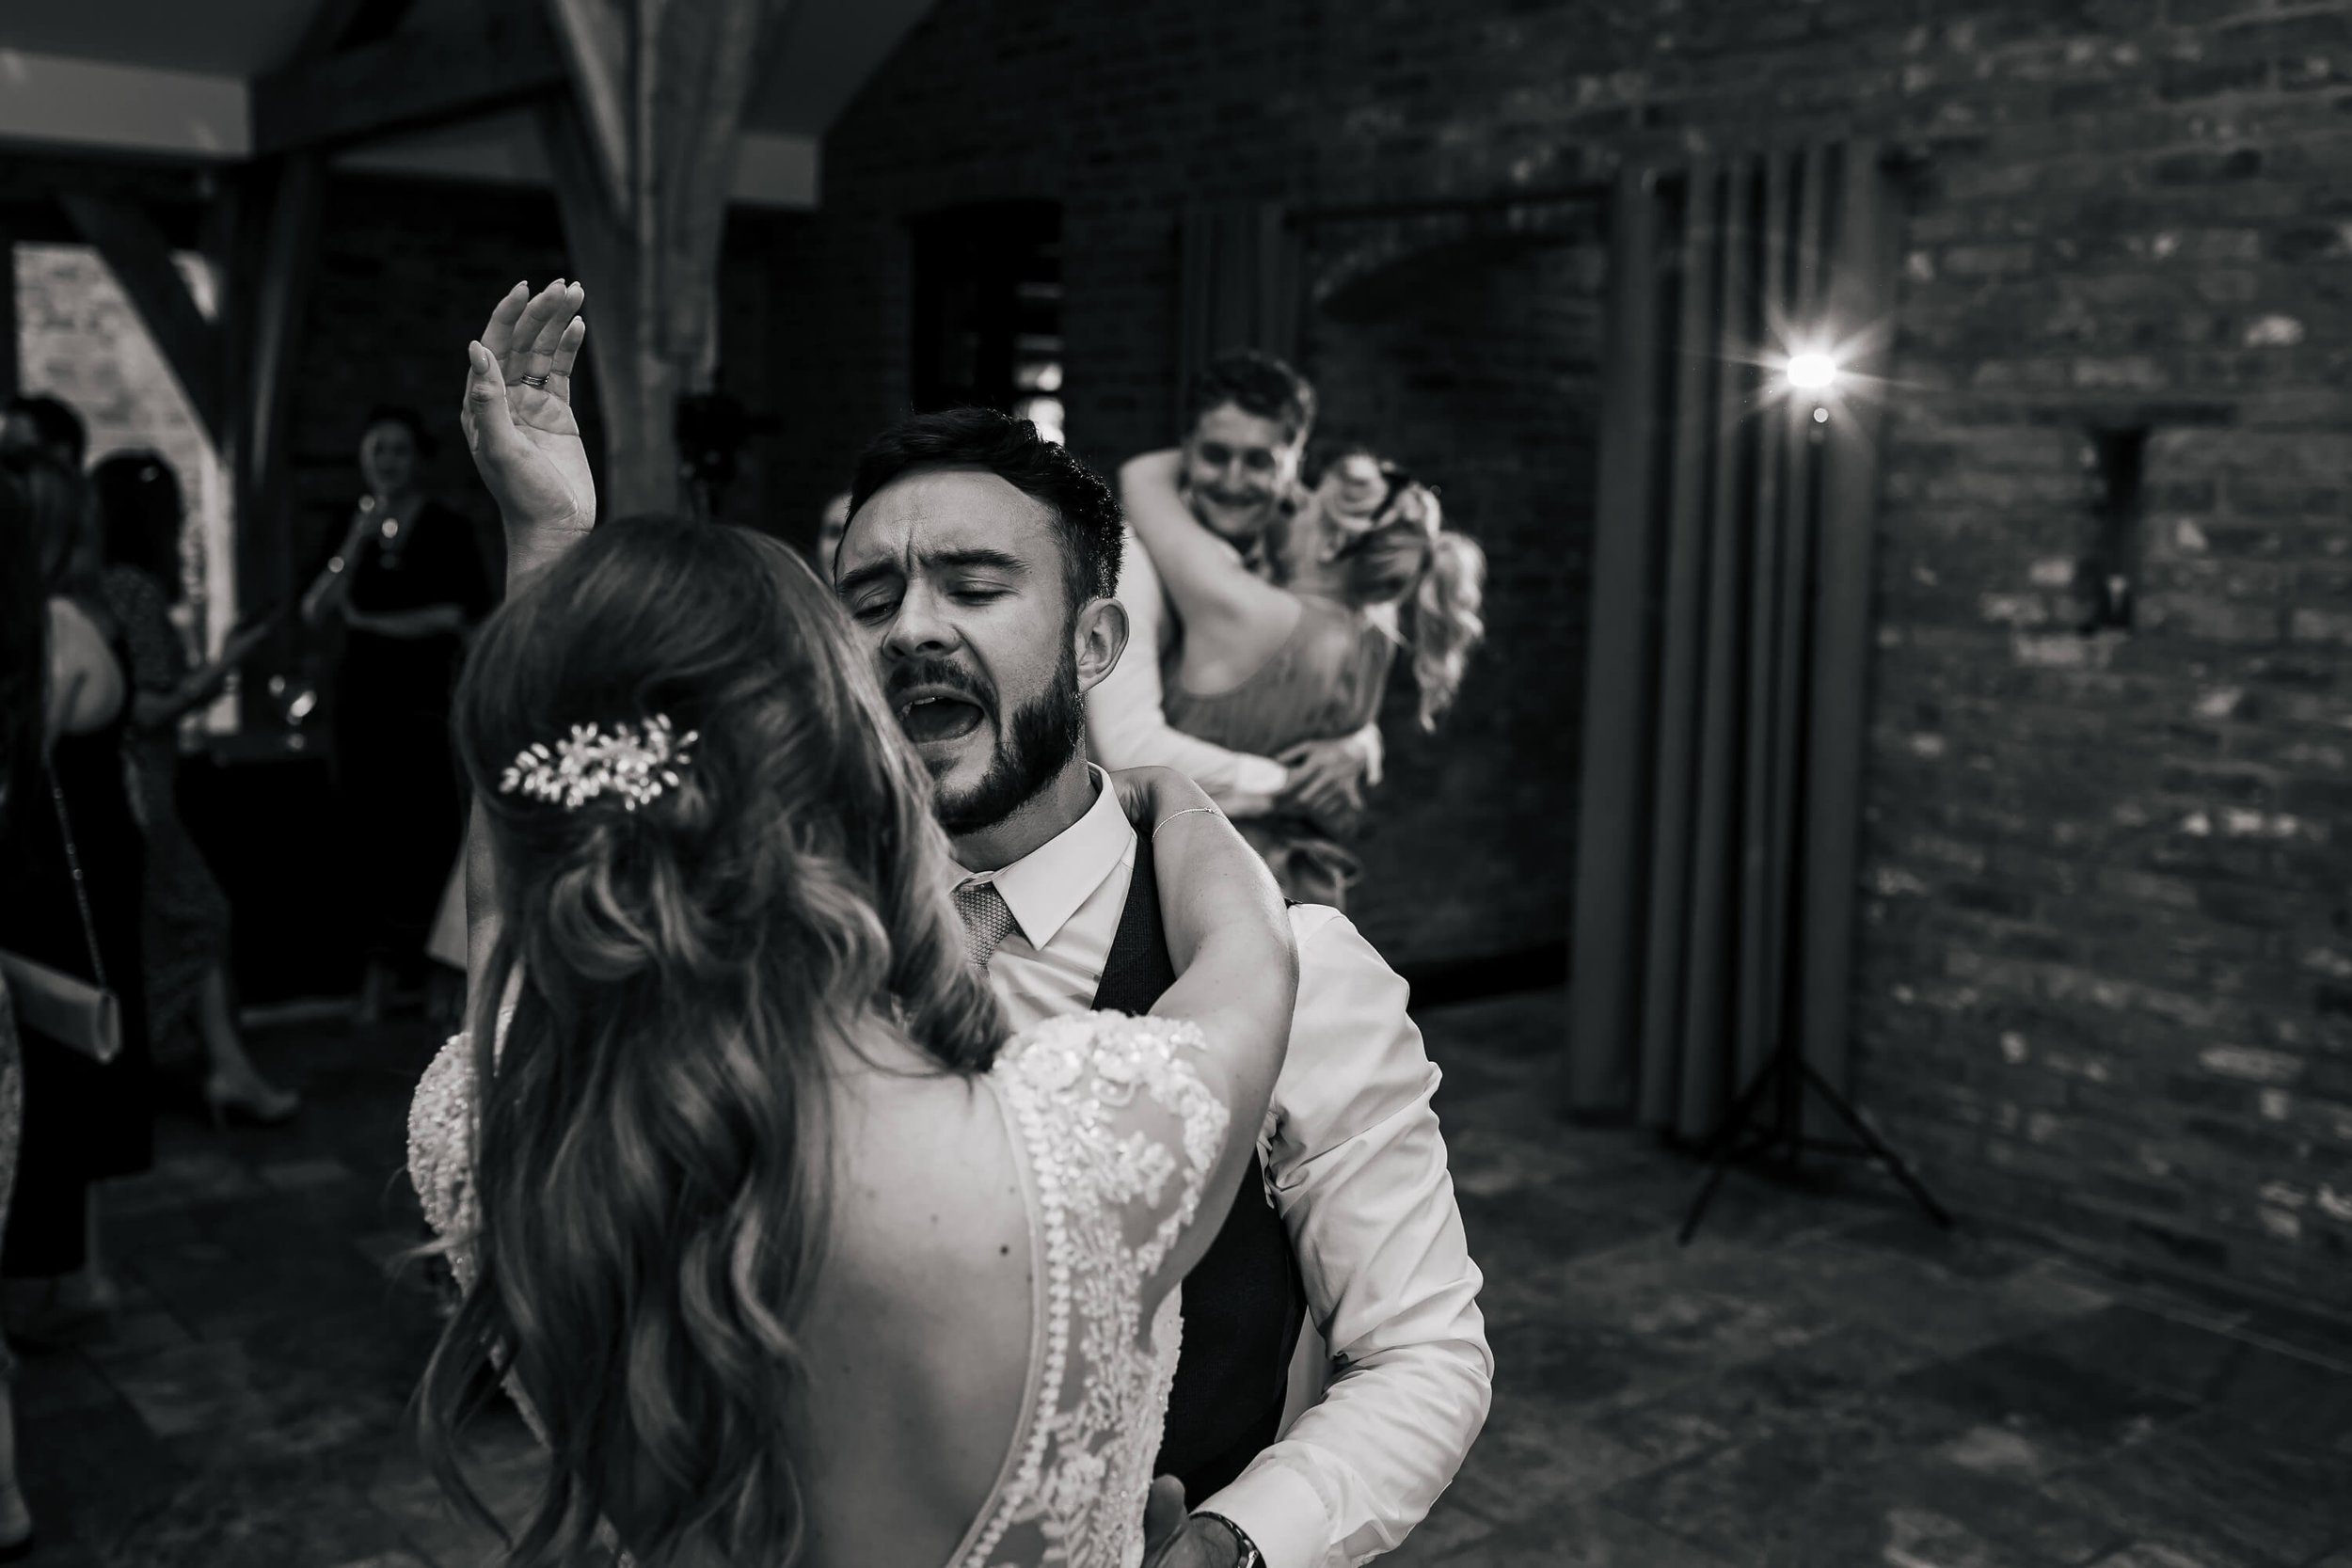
2104 984
407 273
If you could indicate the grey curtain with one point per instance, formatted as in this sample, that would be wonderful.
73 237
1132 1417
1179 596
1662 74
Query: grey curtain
1730 633
1239 277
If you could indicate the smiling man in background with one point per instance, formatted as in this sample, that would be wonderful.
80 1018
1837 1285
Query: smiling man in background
1247 419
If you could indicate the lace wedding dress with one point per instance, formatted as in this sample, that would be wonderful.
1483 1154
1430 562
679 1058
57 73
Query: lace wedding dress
1115 1132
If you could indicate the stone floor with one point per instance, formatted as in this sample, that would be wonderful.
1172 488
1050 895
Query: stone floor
1819 1379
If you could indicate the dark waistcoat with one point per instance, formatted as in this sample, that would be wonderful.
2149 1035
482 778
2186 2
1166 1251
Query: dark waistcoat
1244 1302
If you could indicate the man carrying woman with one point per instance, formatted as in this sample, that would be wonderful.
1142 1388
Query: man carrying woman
1266 616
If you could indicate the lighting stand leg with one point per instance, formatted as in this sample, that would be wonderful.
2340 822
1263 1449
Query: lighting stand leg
1878 1147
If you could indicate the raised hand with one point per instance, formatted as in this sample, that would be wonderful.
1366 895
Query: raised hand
518 421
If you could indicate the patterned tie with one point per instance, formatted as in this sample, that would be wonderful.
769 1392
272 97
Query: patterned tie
987 921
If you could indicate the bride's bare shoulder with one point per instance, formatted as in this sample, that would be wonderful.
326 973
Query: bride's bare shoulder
928 1181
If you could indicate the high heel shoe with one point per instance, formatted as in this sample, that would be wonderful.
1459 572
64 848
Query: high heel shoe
250 1101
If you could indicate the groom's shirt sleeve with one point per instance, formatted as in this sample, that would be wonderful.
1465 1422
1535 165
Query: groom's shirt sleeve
1361 1176
1126 715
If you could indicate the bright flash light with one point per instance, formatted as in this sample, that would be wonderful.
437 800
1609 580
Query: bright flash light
1811 372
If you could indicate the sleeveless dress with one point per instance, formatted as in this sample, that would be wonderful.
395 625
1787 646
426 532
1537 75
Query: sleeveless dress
394 770
11 1130
1114 1131
87 1122
1325 681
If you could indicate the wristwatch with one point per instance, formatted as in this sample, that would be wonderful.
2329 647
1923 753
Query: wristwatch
1246 1549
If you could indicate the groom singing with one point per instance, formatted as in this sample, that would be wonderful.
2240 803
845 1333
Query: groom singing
981 564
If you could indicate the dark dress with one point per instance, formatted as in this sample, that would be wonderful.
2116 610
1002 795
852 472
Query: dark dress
83 1122
394 768
11 1133
1322 683
187 914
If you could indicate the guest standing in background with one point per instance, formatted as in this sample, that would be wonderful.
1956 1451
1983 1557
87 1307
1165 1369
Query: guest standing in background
35 421
141 516
406 584
34 424
24 681
87 1121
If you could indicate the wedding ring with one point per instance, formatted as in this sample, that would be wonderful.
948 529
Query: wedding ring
538 381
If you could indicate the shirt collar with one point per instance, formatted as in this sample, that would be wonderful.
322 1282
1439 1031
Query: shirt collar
1046 886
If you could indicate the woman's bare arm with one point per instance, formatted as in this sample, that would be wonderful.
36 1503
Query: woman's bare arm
1233 618
526 445
87 683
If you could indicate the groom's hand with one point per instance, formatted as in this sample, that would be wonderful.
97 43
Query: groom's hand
1196 1545
1174 1538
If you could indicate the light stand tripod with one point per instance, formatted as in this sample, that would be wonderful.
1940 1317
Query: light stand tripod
1743 1137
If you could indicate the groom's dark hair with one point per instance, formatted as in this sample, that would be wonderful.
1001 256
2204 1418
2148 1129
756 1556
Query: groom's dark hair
1086 513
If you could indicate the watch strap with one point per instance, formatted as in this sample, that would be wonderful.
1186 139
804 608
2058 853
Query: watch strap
1247 1549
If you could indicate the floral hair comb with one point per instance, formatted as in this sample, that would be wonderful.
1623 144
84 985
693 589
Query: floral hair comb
635 763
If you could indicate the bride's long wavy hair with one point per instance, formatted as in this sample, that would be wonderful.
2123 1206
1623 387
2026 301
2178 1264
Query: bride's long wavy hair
652 1143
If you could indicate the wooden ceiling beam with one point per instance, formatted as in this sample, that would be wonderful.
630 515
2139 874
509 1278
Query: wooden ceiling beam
496 57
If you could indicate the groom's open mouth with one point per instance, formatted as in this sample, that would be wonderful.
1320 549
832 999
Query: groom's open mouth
927 716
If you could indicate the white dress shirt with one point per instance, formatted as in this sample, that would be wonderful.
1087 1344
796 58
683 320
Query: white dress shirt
1358 1170
1126 712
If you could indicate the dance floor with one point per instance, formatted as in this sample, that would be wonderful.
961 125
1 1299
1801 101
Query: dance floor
1820 1380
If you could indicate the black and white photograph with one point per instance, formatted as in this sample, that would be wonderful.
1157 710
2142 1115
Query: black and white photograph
1176 783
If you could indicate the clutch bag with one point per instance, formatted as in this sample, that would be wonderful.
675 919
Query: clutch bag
65 1008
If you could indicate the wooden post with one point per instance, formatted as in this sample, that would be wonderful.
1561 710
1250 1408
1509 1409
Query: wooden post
11 329
276 258
135 252
642 156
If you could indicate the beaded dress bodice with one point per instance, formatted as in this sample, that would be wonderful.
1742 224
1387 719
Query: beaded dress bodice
1115 1132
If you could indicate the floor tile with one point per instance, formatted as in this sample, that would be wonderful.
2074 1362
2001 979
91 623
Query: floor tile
1582 1535
1529 1459
2131 1343
2061 1414
2209 1487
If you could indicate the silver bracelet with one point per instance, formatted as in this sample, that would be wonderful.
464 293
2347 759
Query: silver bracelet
1188 811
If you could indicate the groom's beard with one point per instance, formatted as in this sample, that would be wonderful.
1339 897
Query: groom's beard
1036 744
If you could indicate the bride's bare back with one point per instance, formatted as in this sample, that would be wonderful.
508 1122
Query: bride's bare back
919 1329
993 1334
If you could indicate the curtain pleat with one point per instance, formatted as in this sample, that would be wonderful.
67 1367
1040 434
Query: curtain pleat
1730 635
1710 967
1620 641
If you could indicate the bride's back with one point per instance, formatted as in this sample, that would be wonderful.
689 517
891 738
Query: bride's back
918 1331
